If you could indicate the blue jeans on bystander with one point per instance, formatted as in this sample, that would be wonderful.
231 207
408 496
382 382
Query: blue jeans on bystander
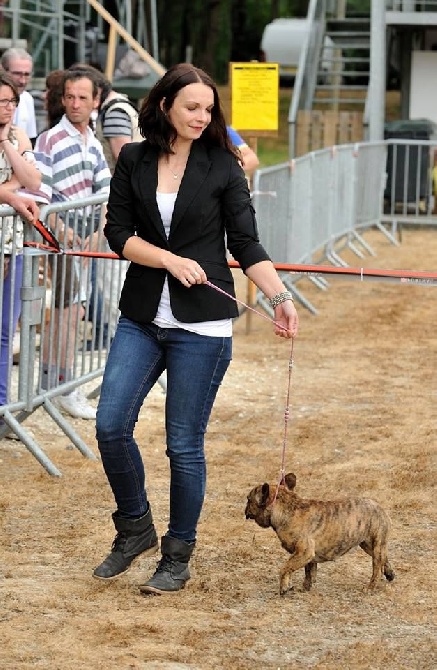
11 310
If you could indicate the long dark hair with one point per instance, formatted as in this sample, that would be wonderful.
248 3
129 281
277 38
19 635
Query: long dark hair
154 123
54 106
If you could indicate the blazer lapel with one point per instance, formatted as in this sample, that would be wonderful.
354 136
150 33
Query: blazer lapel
196 171
147 181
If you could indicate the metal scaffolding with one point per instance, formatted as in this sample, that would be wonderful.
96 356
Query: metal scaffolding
55 31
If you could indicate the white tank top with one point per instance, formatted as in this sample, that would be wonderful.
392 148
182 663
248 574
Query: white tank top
164 317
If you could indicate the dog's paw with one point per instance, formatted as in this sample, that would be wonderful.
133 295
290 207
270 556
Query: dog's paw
376 586
285 583
285 588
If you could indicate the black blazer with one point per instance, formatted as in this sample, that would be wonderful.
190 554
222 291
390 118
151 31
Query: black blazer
212 209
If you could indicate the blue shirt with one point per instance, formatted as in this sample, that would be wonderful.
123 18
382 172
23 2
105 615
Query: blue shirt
235 138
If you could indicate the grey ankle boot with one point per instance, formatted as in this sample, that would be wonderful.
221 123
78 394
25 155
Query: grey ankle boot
134 537
172 571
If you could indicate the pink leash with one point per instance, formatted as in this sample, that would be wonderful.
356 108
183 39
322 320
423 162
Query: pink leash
290 369
240 302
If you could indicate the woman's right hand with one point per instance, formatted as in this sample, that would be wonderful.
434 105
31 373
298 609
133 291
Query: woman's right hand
188 271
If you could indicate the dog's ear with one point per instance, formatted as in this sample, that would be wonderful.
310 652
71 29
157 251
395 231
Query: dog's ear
290 480
265 492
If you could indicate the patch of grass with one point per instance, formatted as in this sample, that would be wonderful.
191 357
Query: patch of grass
274 150
270 152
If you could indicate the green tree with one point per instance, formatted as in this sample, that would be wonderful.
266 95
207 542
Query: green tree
213 32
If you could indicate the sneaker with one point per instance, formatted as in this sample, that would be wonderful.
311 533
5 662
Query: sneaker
76 405
10 435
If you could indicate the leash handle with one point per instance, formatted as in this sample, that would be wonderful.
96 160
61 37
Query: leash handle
47 234
52 244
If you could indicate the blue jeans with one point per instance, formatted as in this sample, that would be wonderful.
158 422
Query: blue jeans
11 309
195 366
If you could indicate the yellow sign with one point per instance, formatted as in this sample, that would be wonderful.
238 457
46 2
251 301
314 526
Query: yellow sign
255 96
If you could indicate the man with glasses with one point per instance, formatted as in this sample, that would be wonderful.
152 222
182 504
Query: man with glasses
19 64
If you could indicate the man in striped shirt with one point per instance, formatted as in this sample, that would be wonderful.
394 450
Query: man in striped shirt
72 166
117 117
69 156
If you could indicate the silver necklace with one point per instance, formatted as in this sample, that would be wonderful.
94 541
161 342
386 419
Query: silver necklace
175 174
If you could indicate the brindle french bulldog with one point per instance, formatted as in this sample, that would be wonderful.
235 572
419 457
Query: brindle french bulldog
314 531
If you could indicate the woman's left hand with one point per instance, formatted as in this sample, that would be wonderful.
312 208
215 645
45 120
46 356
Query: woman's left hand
287 319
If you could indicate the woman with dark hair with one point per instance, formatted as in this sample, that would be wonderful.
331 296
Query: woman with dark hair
17 171
177 200
53 97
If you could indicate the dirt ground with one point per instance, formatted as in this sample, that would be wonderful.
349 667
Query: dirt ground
362 421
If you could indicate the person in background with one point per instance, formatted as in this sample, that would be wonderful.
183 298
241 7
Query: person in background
17 170
249 159
176 201
53 97
71 161
18 63
116 125
28 210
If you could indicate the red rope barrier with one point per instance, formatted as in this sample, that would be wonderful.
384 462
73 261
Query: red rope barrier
402 276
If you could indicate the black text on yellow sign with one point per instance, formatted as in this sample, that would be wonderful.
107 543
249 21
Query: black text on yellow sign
255 96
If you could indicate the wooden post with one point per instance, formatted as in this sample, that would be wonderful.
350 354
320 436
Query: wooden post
251 288
110 57
127 37
251 301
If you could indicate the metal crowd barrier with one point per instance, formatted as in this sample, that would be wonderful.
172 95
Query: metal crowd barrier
308 210
312 208
410 193
11 259
68 316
